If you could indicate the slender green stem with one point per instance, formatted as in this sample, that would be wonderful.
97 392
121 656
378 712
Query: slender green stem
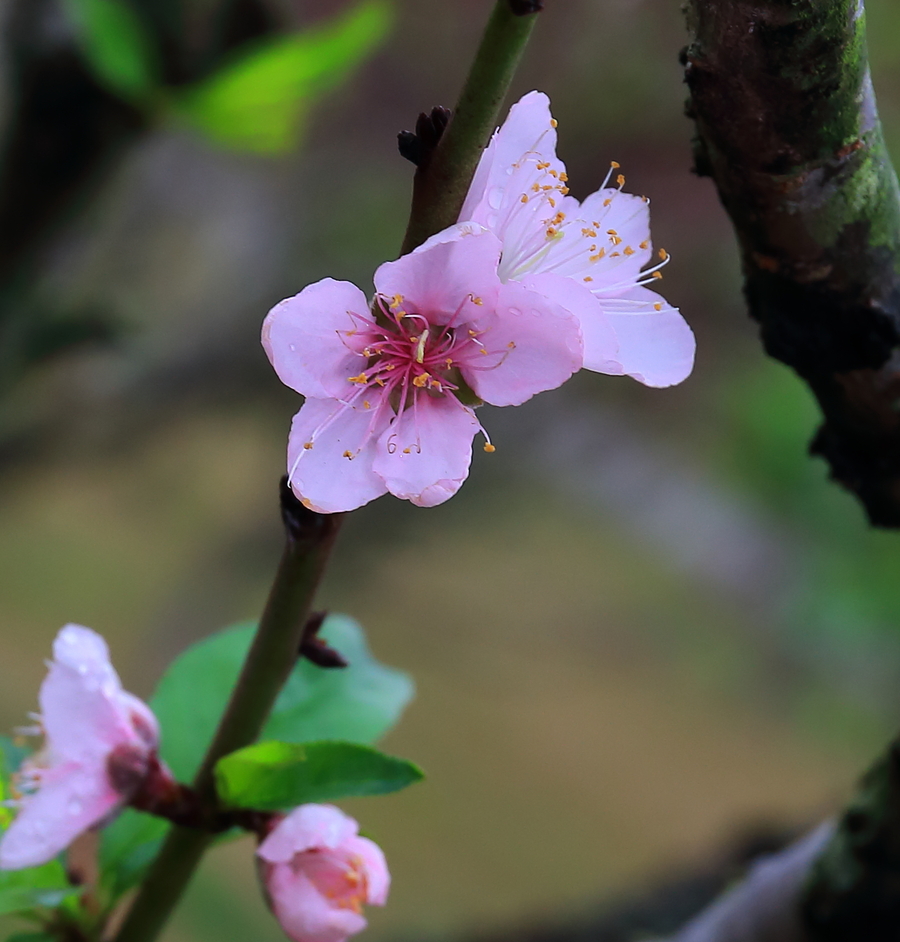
440 187
272 655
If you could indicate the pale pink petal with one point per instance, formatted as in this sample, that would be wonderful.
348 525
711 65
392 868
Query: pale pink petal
655 347
306 339
601 345
424 455
139 719
628 216
532 345
306 827
378 879
322 476
79 697
448 279
304 913
69 801
528 128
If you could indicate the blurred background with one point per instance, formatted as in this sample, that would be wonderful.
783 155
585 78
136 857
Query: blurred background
646 624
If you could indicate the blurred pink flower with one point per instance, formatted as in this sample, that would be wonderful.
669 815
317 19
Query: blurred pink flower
385 393
87 718
586 256
318 872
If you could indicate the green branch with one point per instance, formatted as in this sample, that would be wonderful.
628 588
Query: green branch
441 185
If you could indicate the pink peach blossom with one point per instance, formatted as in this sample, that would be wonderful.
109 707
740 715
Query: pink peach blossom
387 393
318 872
86 717
590 257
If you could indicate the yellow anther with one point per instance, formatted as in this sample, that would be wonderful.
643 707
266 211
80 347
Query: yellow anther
620 179
646 199
616 240
307 445
543 165
397 300
606 202
564 190
483 351
614 254
645 244
367 352
449 362
367 404
611 232
389 366
615 164
553 123
598 256
590 233
657 306
588 278
563 177
348 454
511 345
536 187
307 503
523 198
628 250
435 384
406 451
489 448
476 300
551 232
663 254
379 381
547 186
421 379
657 274
362 379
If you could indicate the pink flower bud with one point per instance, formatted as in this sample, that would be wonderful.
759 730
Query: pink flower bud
318 872
99 744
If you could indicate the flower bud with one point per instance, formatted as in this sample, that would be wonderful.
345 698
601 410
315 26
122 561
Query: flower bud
318 872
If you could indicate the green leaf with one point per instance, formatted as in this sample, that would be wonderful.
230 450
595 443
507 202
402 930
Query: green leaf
271 776
34 887
116 46
358 703
32 937
258 102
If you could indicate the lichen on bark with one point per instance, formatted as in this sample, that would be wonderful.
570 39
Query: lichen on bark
787 126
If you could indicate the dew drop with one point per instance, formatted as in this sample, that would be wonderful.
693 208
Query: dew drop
495 197
515 312
292 347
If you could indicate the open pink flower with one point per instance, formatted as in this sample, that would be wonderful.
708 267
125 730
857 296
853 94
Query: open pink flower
87 717
590 257
318 872
386 393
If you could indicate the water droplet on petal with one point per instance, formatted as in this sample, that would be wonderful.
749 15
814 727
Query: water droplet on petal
515 312
495 197
292 347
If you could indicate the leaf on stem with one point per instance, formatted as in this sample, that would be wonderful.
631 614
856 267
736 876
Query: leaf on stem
273 776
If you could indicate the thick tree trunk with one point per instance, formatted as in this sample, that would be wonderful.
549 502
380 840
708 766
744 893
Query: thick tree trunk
787 128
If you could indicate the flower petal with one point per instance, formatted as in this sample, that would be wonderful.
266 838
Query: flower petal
441 279
305 338
533 344
529 128
305 914
378 879
322 476
307 827
424 455
80 698
656 347
70 799
627 247
601 346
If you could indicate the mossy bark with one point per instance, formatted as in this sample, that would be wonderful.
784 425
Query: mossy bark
787 127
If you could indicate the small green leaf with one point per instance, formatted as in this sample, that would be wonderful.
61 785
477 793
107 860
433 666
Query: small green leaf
127 847
116 46
258 102
275 775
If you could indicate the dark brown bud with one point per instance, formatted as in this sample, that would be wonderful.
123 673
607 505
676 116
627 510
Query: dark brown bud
315 649
418 146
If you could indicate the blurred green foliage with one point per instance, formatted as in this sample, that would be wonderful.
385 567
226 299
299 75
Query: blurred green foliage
259 102
117 47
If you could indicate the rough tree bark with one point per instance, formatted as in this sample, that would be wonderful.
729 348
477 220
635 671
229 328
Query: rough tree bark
787 127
